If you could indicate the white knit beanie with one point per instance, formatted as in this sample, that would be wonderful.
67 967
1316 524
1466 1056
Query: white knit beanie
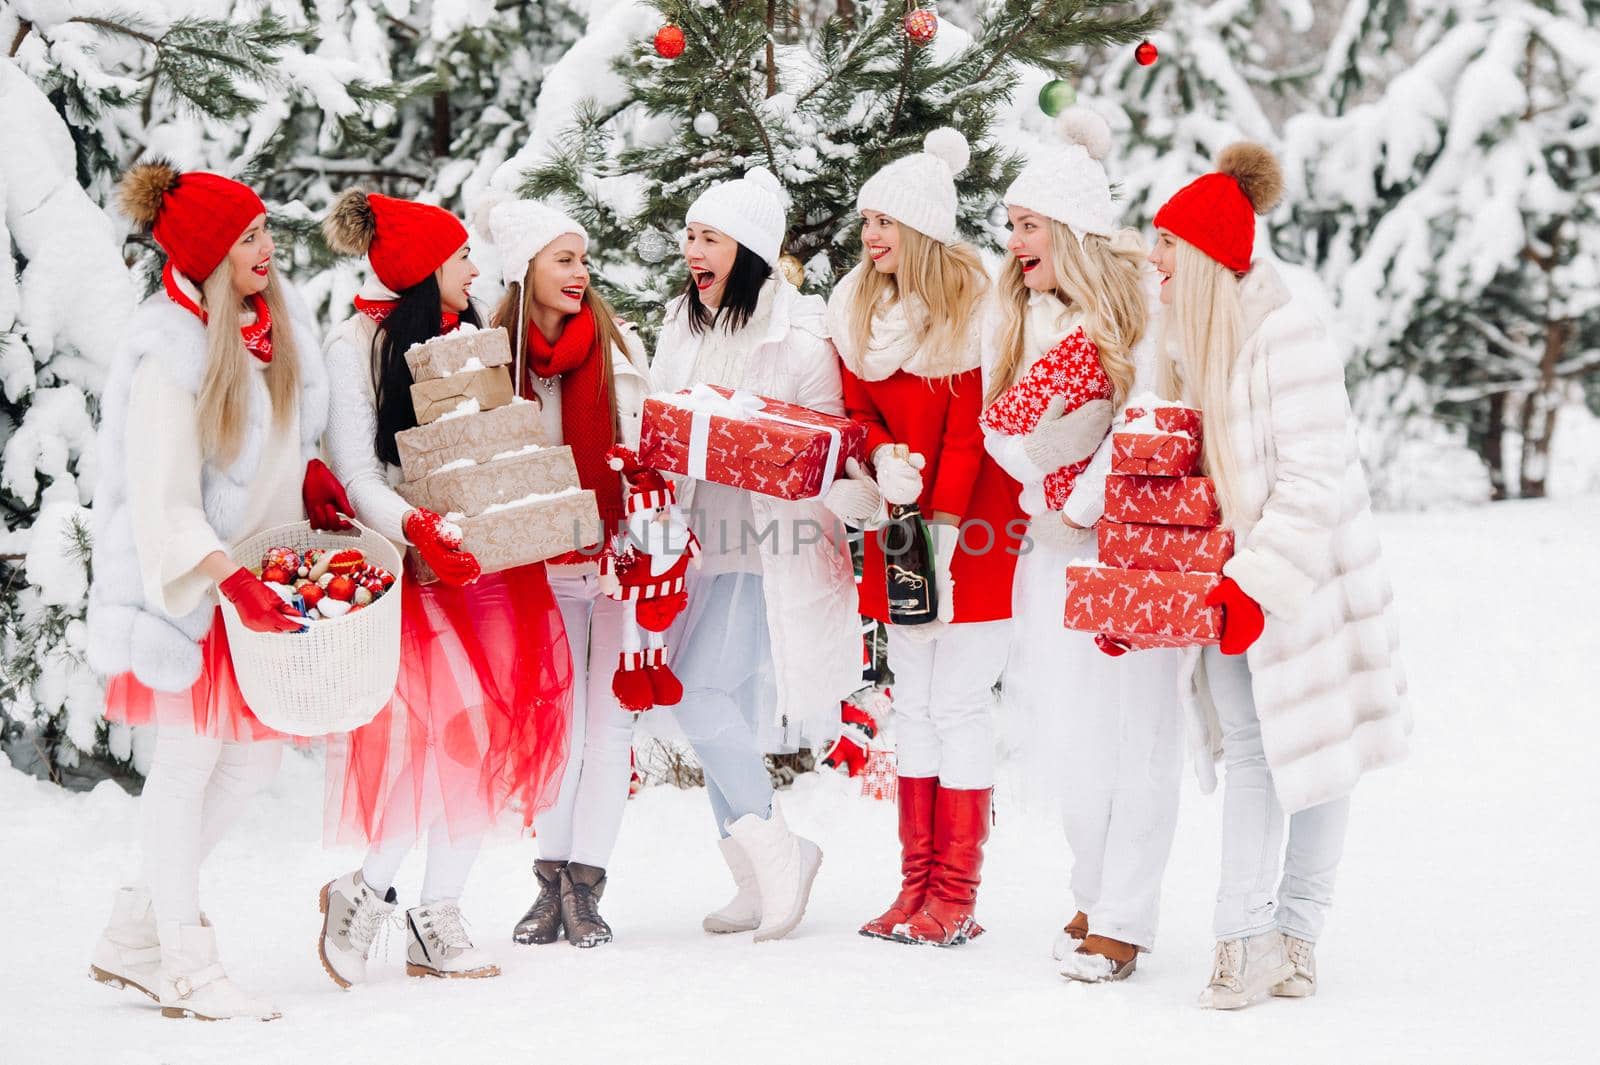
750 209
1066 181
519 230
919 190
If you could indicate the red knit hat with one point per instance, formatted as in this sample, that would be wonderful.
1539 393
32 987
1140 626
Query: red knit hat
647 488
404 240
194 216
1216 212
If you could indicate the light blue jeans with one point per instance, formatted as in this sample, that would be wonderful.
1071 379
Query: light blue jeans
1264 885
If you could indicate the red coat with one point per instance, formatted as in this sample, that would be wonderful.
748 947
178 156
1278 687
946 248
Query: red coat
939 419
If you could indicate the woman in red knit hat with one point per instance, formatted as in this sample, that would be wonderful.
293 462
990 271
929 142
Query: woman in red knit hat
906 322
479 716
1305 692
210 419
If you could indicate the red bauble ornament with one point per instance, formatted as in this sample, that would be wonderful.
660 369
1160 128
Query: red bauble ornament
1146 53
922 26
669 42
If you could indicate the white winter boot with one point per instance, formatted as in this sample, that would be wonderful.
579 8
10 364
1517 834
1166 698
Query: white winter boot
1302 954
440 945
352 912
1245 969
743 911
128 953
193 983
785 865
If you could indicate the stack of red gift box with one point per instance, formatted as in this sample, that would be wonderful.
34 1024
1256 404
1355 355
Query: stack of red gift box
1161 551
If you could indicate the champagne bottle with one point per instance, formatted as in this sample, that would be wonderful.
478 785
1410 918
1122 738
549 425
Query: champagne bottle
908 563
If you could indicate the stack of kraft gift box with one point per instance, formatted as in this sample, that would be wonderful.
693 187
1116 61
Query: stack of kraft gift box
475 458
1161 551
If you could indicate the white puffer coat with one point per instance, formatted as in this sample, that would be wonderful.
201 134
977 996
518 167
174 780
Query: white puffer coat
1325 673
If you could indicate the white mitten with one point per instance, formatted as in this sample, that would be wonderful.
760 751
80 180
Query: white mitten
1064 439
1050 529
899 477
855 499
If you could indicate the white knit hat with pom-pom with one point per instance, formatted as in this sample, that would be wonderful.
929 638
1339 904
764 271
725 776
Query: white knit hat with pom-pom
919 190
1066 181
519 230
752 210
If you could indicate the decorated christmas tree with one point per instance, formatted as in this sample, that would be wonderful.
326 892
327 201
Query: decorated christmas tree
822 103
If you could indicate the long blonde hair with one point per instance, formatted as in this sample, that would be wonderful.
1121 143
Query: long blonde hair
947 279
518 300
1102 279
222 408
1206 321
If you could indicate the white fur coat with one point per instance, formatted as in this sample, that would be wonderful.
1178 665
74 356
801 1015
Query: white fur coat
127 631
1325 673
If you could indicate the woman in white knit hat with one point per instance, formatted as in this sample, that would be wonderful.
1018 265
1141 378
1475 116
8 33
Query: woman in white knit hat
770 641
588 373
1075 288
905 322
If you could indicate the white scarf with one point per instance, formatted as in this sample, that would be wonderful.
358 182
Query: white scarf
723 357
893 344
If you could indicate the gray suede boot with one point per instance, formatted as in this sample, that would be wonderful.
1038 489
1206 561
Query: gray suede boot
581 888
542 922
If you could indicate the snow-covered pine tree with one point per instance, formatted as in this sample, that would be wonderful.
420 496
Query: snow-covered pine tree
820 105
86 92
1460 215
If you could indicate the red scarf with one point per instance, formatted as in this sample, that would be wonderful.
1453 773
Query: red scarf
257 336
378 310
587 425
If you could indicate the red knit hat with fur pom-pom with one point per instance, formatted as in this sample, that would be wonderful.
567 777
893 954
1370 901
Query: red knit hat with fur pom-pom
404 240
1216 212
194 216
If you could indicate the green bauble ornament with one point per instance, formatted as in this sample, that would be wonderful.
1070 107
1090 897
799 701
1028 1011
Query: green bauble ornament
1056 96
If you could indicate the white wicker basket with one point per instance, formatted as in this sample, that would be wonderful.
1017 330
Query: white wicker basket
336 675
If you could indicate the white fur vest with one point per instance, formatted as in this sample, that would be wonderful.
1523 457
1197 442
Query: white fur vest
126 631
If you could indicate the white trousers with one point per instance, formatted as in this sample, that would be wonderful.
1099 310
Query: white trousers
1251 897
943 702
196 789
1120 789
583 823
449 859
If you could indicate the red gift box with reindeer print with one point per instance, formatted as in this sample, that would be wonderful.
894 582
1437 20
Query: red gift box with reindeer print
1150 500
1173 548
1143 608
747 441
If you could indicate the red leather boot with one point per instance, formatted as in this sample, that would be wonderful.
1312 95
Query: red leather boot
960 829
916 795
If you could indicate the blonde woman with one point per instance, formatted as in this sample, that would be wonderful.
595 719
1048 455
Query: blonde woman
588 373
210 421
905 322
1305 692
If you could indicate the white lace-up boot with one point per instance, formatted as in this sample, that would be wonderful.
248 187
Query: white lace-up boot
128 953
440 945
194 984
1303 955
743 911
352 913
1245 969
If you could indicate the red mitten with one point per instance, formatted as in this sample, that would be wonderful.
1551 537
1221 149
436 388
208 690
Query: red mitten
848 753
1242 620
859 716
324 498
1111 645
260 608
665 687
439 544
631 684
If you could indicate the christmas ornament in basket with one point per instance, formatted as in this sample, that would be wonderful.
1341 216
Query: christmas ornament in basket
339 672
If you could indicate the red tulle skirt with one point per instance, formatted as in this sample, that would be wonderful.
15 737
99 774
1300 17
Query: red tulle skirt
213 706
478 721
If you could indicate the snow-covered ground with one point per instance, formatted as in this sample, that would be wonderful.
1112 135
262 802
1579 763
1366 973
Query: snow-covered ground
1465 929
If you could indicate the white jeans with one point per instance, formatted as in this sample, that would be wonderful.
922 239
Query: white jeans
1251 898
583 823
449 859
196 789
943 703
1120 789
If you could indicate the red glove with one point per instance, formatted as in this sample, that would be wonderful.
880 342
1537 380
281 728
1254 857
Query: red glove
324 498
859 716
260 608
848 753
1242 620
1111 645
439 544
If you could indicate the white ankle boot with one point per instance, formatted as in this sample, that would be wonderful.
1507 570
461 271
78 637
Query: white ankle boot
1303 955
743 911
193 983
1246 969
440 945
785 865
352 912
128 953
